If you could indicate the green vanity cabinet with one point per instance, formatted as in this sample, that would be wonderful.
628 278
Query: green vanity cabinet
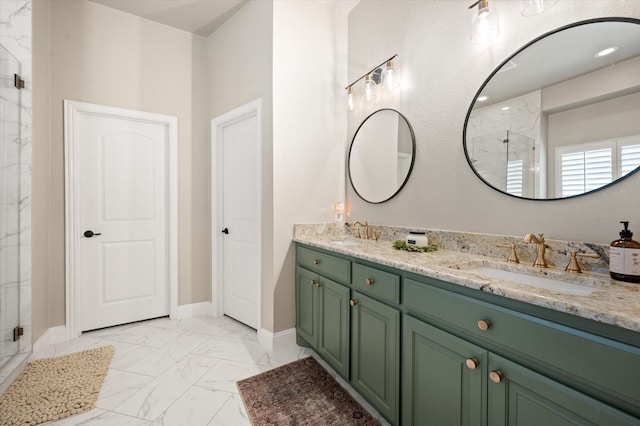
375 354
322 318
449 381
427 352
521 397
444 378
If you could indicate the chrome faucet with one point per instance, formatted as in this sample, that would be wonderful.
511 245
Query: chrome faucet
539 241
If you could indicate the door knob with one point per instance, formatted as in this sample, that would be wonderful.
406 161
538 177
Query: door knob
225 231
90 234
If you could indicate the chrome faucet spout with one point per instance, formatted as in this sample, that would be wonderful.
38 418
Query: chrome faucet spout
541 246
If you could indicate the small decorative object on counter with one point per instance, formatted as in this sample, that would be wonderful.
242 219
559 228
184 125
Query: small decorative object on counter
417 239
624 257
402 245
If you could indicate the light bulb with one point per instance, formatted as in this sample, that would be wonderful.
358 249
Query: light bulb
389 74
350 98
368 87
484 23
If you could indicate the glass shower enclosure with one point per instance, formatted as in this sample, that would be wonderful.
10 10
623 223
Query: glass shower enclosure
10 147
507 161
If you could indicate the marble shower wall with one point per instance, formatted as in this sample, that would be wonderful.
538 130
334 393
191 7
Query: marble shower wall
15 36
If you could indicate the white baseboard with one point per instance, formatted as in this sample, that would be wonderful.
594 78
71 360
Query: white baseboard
194 310
50 337
276 340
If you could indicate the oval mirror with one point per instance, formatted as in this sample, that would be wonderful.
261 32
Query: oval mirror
561 117
381 156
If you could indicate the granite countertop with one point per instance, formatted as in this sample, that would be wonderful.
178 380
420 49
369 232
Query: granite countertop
611 302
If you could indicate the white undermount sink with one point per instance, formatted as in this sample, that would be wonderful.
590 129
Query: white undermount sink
345 242
532 281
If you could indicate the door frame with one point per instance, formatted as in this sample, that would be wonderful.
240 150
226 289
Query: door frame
72 112
251 109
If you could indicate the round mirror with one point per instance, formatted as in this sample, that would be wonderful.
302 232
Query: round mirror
381 156
561 117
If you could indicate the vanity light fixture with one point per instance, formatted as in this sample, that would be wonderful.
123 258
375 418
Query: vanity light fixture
368 87
605 52
350 98
536 7
372 78
484 23
389 80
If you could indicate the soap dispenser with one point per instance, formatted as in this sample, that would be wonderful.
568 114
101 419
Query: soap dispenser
624 257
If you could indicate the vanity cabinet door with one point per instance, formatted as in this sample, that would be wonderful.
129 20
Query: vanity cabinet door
375 354
322 318
521 397
333 329
444 378
306 306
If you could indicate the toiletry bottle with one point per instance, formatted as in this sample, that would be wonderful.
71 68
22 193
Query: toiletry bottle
624 257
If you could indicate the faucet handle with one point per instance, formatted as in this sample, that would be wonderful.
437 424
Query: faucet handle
513 256
574 266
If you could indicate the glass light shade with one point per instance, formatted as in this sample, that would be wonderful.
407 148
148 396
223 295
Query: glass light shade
368 88
350 99
484 23
389 76
536 7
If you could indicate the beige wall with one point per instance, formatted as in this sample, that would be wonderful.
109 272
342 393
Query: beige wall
441 72
103 56
309 125
240 71
40 169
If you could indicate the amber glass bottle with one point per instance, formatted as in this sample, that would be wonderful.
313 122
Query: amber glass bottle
624 257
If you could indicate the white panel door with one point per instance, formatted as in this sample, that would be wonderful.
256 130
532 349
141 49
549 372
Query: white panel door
241 272
122 198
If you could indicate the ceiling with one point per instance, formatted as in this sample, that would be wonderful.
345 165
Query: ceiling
563 56
201 17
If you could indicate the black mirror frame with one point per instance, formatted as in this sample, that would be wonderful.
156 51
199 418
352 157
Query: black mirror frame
413 155
495 71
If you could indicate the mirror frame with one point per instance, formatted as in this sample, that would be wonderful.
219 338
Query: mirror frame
495 71
413 155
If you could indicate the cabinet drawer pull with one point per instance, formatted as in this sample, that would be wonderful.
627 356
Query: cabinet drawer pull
318 284
353 302
495 376
316 261
484 324
313 282
472 363
368 281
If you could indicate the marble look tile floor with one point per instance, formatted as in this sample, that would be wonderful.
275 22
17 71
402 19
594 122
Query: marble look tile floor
178 372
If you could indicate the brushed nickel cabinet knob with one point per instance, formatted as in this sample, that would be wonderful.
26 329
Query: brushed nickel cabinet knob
368 281
316 261
353 302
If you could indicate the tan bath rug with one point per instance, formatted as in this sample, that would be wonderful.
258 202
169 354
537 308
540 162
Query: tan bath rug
55 388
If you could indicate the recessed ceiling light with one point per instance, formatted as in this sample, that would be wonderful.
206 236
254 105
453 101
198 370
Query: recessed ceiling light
605 52
482 98
505 108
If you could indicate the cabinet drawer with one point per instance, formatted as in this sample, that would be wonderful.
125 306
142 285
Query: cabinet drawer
376 282
325 264
597 365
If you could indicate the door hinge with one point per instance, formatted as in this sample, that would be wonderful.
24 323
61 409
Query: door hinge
18 82
17 332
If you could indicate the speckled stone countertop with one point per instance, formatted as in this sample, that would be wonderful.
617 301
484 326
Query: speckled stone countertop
611 302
